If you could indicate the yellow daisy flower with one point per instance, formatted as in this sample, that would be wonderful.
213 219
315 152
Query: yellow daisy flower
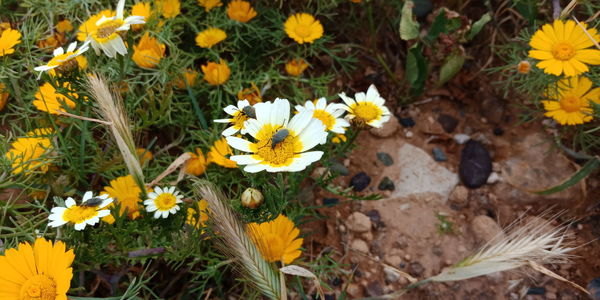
277 240
197 216
142 9
569 102
281 144
210 37
295 67
303 28
163 202
64 26
90 24
63 61
239 115
209 4
216 74
562 48
107 34
219 154
366 109
148 52
26 153
169 8
240 11
3 96
8 40
189 76
197 164
88 212
252 94
125 192
49 100
144 155
52 42
42 271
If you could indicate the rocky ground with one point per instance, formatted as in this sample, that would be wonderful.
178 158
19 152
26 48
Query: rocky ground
440 202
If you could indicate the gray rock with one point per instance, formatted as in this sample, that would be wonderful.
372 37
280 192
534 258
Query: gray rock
385 158
485 228
460 195
360 245
391 275
388 129
358 222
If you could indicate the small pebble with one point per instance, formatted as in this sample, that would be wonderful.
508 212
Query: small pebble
439 155
337 281
448 122
594 288
374 215
360 181
535 290
461 138
416 269
386 184
407 122
498 131
385 158
493 178
475 165
330 201
339 168
409 134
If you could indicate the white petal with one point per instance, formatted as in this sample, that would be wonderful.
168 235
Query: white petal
119 45
360 97
252 126
72 47
300 121
280 113
242 103
321 103
58 51
222 120
120 8
157 214
133 20
244 159
263 111
312 134
57 223
93 221
229 131
69 202
106 202
158 190
372 92
103 213
43 68
238 143
231 110
304 160
87 196
349 101
300 108
255 168
80 226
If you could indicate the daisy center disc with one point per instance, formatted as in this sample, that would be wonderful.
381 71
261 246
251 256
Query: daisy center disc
563 51
165 201
58 60
303 31
279 154
108 28
274 247
570 104
367 111
39 287
78 214
238 120
325 117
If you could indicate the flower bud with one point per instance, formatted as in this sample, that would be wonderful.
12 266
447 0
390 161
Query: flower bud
252 198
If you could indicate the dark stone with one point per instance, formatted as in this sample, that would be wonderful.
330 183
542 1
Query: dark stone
416 269
330 201
337 281
448 122
439 155
407 122
422 7
339 168
360 181
536 290
594 288
475 164
374 215
386 184
498 131
374 289
385 158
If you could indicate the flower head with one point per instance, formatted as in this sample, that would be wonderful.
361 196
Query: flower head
26 153
41 272
170 8
277 240
197 164
144 155
239 115
523 67
3 96
163 201
126 192
570 101
107 34
209 4
189 76
295 67
64 26
280 144
148 52
52 42
241 11
48 99
562 48
252 198
197 216
88 212
328 114
252 94
219 154
90 24
366 109
303 28
210 37
63 61
142 9
216 74
9 38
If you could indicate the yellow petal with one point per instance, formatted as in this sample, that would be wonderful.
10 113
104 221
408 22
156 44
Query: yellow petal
549 32
593 95
590 56
540 54
569 26
540 41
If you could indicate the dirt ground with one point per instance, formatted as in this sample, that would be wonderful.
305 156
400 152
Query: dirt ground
401 231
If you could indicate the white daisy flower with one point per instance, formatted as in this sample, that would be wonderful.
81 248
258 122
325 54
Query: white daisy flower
107 36
366 109
328 114
281 143
240 114
163 201
64 59
88 212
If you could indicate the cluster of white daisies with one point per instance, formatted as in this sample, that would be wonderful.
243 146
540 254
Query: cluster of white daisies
161 202
281 144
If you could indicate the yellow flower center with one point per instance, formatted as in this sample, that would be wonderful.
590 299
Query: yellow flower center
563 51
78 214
367 111
303 31
274 247
281 153
108 28
58 60
40 287
238 120
165 201
570 104
325 117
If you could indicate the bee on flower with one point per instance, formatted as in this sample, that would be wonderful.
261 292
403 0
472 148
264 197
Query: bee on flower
88 212
163 201
240 114
281 144
329 114
107 34
65 61
366 109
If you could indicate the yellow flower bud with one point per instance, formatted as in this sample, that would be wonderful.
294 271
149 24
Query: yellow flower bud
252 198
